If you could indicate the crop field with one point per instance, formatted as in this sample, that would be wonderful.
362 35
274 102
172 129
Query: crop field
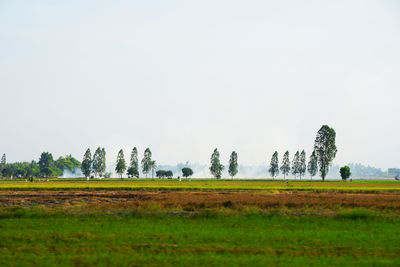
199 223
147 184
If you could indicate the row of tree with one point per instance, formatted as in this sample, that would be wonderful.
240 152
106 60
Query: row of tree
323 154
321 158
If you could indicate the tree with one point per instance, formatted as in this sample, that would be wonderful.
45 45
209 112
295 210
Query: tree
216 167
325 149
7 171
345 172
46 164
169 174
285 168
233 165
3 162
102 168
160 174
67 163
133 170
153 165
302 164
296 164
121 164
274 165
87 164
97 161
187 172
146 161
312 166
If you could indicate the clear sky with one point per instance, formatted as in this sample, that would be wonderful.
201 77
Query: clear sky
184 77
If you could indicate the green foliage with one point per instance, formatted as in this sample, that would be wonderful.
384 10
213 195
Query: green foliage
233 164
302 164
3 160
153 165
133 170
325 149
164 174
47 166
345 172
216 167
146 161
121 164
187 172
68 163
296 164
87 163
312 166
274 165
102 168
97 161
285 167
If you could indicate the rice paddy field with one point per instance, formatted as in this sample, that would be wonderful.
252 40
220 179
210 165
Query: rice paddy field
199 223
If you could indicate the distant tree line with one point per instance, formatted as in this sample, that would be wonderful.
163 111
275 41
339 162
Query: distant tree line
95 166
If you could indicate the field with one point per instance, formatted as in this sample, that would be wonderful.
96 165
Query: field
208 223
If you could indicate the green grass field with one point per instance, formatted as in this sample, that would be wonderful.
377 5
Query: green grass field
117 232
146 184
207 239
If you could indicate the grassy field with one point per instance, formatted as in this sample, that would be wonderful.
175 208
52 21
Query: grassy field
142 184
199 223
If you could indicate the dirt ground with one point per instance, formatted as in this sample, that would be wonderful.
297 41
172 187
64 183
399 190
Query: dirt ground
182 199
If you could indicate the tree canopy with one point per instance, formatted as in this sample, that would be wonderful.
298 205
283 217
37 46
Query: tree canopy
325 149
285 167
274 165
216 167
120 164
233 164
146 161
345 172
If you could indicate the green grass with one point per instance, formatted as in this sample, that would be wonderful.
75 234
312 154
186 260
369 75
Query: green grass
142 184
208 239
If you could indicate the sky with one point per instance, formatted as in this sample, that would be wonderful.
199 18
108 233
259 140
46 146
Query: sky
185 77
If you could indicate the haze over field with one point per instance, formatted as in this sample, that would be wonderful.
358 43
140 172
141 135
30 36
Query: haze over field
183 78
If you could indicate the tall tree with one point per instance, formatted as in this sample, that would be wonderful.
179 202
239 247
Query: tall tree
302 164
3 162
325 149
103 166
312 166
121 164
46 163
97 161
233 164
285 168
153 165
296 164
87 164
274 165
216 167
146 161
133 170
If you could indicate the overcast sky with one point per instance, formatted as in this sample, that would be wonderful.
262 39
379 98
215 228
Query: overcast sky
184 77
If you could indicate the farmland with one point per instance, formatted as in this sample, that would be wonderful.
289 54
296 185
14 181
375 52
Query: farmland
199 222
